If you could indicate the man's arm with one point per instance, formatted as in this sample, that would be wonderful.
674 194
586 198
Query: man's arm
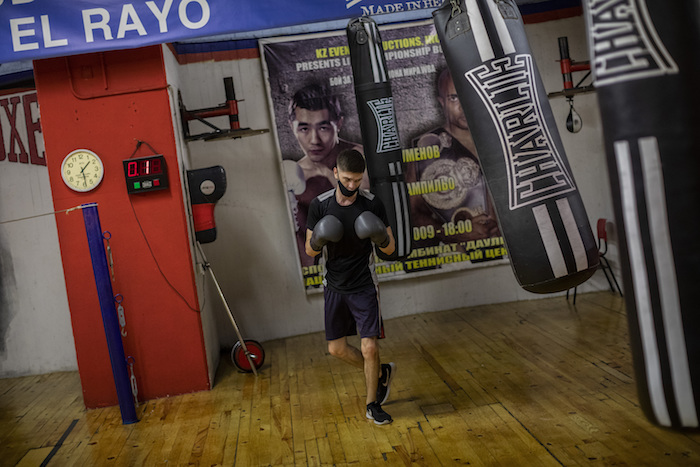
328 229
310 251
368 225
392 243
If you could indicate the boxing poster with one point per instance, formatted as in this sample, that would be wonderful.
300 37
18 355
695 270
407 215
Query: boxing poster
310 88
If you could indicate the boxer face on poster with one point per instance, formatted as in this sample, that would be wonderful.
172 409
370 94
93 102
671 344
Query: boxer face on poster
455 120
449 100
316 118
317 134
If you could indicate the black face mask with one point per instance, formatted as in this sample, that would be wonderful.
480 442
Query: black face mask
345 191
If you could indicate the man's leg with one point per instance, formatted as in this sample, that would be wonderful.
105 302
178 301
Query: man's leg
370 353
340 348
367 359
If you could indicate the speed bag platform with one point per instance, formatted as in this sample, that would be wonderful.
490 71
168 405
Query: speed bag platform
206 187
380 136
645 67
539 208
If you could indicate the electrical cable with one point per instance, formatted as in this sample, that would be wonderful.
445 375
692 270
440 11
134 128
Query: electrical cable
148 244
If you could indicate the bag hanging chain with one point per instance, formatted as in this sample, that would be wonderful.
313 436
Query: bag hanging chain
456 8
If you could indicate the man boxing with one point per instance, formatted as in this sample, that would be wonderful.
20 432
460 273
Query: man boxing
344 223
316 119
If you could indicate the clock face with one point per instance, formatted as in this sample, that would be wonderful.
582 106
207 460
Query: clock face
82 170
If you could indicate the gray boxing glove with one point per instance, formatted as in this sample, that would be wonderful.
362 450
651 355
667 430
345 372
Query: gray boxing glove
368 225
328 229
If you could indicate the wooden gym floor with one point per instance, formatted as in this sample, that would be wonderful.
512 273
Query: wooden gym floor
539 383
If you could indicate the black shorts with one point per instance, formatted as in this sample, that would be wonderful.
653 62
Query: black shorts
348 313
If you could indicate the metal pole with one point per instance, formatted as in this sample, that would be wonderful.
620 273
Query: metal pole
207 266
109 313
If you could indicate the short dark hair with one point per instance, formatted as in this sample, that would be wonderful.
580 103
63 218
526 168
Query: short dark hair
315 97
443 78
351 160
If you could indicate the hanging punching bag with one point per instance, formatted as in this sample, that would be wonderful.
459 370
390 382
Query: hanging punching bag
544 223
380 136
645 67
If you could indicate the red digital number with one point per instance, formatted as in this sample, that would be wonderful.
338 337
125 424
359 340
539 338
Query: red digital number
143 167
132 169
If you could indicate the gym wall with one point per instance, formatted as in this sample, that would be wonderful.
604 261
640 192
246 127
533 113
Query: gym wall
254 256
35 331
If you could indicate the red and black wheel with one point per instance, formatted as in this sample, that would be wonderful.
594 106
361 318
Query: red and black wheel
256 352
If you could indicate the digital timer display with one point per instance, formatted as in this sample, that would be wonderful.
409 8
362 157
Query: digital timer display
140 168
145 174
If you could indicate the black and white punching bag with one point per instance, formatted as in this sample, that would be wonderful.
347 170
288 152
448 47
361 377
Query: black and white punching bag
646 69
380 135
206 187
539 208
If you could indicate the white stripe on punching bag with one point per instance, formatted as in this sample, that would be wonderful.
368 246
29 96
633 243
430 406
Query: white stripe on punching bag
573 233
549 240
405 218
502 29
666 276
642 298
483 44
403 237
375 54
399 237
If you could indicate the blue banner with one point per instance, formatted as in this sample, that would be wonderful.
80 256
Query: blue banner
31 29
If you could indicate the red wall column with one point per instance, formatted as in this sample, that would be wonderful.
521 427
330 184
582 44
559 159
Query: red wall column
104 102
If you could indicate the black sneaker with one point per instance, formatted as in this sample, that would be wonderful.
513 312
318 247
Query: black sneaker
384 383
376 413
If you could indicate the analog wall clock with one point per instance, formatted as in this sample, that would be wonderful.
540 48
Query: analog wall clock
82 170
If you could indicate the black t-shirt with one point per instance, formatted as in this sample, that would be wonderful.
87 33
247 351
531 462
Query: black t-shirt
349 263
